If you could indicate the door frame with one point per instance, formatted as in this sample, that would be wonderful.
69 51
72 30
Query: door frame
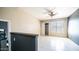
9 30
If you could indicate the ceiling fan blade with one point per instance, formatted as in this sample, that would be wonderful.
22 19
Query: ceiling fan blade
48 10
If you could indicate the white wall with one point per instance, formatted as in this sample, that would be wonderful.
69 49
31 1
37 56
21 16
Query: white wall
20 21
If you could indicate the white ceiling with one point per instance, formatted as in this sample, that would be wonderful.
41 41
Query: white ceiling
39 12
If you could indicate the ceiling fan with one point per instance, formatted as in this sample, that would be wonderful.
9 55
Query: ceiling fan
50 11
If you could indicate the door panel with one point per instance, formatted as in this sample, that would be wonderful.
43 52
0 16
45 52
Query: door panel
22 42
3 36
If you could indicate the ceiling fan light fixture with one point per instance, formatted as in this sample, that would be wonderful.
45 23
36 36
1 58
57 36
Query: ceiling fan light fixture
50 11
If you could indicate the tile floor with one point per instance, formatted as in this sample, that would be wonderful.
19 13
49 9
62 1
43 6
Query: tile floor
48 43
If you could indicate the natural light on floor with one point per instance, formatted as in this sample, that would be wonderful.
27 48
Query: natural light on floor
59 44
48 43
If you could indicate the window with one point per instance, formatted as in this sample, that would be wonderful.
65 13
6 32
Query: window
58 27
55 27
